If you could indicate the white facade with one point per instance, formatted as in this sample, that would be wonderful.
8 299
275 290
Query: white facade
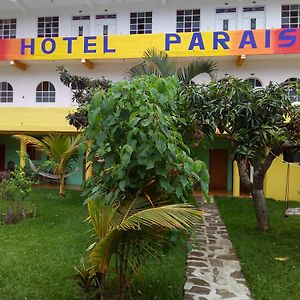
264 67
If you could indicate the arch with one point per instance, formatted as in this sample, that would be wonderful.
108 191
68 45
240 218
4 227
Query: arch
45 92
6 92
294 90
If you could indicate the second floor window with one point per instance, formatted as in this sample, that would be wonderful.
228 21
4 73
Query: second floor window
141 22
8 28
45 92
6 92
290 16
188 20
48 26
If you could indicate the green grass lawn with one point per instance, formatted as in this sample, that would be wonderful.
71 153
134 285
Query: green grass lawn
37 256
268 277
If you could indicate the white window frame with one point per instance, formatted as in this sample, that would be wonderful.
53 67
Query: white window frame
46 94
6 92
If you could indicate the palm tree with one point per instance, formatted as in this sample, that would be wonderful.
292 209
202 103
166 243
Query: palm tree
60 149
130 230
158 63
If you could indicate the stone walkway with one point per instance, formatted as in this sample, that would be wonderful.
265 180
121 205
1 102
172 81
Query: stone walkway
213 271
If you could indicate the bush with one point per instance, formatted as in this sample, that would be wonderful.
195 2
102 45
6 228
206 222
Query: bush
15 190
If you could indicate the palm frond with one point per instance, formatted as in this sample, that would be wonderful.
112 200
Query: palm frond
176 216
142 69
197 67
160 61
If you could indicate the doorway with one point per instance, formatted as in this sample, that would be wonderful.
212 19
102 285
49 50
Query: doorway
2 157
218 169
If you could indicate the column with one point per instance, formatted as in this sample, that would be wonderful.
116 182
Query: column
236 180
22 153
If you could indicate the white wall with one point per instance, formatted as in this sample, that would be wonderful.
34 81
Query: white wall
163 16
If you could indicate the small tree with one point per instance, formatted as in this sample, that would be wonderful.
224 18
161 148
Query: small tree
61 149
142 167
261 123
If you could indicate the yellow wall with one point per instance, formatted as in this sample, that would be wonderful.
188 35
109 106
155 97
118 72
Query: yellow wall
34 119
275 183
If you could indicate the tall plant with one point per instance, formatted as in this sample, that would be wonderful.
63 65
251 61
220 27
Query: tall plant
158 63
61 149
142 169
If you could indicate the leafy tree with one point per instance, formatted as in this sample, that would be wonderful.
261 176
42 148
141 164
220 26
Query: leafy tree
82 88
158 63
142 167
261 123
61 149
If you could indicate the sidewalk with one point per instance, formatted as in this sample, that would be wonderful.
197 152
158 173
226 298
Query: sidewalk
213 271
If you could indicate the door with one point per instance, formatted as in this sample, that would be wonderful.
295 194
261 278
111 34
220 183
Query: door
106 24
218 169
225 19
253 18
81 26
2 157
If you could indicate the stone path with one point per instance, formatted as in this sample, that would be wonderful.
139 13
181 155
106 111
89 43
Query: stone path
213 271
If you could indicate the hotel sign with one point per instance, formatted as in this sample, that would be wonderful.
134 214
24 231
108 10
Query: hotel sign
218 43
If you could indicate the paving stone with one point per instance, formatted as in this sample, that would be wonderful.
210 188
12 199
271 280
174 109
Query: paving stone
197 281
237 275
200 290
216 262
225 294
199 264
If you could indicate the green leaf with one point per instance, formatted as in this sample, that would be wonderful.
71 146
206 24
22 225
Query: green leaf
161 145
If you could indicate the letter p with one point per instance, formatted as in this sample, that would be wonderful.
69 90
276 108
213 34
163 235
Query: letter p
171 38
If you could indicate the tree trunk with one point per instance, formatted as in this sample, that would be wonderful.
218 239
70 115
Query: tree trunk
261 210
62 186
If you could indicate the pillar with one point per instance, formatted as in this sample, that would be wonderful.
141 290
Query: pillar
236 180
22 153
88 164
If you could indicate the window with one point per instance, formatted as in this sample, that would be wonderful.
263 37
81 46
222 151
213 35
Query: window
255 8
8 28
48 26
256 83
254 18
290 16
33 153
226 19
188 20
80 25
45 92
293 90
141 22
6 92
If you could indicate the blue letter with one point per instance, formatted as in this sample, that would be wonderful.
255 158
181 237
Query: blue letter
87 44
53 46
244 41
222 41
196 41
168 40
70 42
105 45
24 46
285 37
268 38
